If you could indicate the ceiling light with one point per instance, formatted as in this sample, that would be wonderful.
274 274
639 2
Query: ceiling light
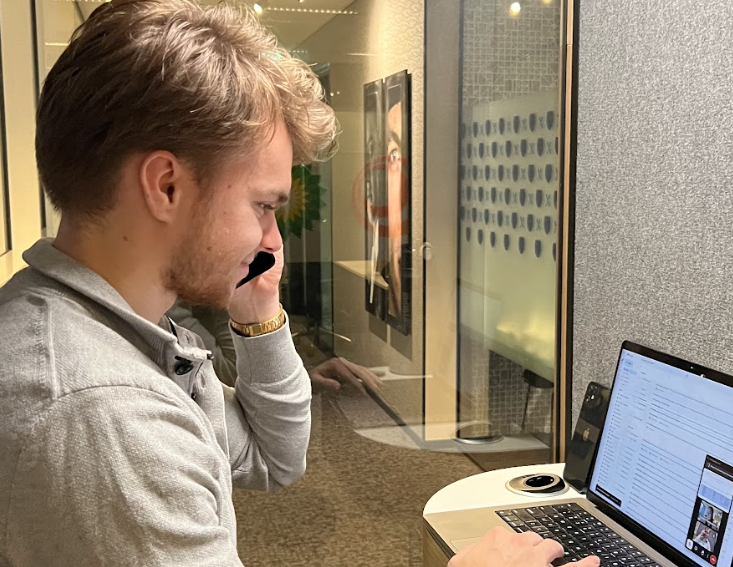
258 9
515 8
312 11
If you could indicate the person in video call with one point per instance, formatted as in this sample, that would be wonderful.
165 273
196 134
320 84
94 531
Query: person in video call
704 538
165 135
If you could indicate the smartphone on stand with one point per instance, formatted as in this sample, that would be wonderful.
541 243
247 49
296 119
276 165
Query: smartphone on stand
585 436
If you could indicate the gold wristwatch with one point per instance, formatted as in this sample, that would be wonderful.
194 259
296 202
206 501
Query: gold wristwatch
257 329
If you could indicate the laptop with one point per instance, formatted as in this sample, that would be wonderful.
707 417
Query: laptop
661 482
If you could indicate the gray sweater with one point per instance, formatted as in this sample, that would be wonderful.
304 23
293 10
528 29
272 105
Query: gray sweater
118 444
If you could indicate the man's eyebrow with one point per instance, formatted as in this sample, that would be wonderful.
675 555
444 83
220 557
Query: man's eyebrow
395 138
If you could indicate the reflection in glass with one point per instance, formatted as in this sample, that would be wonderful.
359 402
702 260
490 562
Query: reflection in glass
4 225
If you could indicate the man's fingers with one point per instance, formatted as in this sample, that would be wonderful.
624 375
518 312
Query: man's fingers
320 383
367 377
549 549
342 371
591 561
529 538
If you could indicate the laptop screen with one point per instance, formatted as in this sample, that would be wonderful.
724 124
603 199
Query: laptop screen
665 458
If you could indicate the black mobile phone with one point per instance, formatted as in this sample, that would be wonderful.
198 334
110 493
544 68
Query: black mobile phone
582 448
262 262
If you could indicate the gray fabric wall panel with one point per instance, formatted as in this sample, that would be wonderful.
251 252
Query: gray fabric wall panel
654 200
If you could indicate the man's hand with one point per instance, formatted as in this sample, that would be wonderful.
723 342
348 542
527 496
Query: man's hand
502 548
330 375
258 300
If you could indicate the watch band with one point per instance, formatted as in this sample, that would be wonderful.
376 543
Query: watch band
257 329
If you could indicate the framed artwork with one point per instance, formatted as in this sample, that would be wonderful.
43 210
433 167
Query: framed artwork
387 190
374 197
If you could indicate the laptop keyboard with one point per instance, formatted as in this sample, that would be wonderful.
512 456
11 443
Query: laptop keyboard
579 532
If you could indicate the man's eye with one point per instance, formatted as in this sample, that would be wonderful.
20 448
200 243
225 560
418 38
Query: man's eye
394 155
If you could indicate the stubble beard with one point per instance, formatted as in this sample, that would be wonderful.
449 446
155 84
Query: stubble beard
196 273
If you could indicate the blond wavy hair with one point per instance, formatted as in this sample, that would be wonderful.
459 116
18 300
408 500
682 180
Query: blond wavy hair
205 83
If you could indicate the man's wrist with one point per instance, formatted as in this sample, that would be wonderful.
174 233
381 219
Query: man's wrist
250 314
260 328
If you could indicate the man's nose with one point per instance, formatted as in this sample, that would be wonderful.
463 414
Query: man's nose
272 240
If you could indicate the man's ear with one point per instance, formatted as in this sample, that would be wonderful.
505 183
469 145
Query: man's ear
164 181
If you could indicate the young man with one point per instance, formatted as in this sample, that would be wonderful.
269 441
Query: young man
166 135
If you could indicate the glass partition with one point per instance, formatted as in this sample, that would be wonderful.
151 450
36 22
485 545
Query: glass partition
509 184
4 224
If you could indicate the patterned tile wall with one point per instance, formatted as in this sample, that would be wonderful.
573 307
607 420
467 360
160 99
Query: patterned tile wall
511 406
506 57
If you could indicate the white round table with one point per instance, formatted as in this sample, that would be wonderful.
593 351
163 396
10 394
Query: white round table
479 491
487 489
